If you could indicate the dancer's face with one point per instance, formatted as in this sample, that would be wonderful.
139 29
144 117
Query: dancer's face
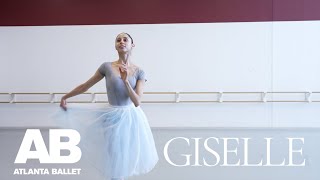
123 43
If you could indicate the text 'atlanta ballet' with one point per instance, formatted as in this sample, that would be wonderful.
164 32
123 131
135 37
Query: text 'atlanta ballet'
46 171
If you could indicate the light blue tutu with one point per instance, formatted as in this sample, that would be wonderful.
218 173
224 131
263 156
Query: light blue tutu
116 140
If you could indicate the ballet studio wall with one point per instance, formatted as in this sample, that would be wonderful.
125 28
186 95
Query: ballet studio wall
269 48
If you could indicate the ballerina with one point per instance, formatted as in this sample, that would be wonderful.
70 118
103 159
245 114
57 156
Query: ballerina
120 130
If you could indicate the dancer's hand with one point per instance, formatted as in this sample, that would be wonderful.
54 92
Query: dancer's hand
63 103
124 72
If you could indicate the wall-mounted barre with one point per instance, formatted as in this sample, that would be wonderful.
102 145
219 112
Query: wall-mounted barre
171 97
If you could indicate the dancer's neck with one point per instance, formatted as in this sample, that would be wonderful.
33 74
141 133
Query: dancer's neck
124 58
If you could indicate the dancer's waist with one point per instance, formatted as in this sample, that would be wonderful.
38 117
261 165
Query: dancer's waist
122 106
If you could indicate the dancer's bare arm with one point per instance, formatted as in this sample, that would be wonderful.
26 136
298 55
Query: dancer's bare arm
81 89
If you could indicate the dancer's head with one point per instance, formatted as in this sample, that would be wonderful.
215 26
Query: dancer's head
124 42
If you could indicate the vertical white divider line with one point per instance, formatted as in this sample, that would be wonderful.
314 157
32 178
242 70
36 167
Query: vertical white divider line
53 97
93 97
13 98
177 97
308 96
220 97
264 97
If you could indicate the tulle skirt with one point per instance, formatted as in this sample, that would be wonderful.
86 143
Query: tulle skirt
116 140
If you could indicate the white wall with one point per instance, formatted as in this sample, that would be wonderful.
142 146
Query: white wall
255 56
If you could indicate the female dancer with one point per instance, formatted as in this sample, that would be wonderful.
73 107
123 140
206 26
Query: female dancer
128 146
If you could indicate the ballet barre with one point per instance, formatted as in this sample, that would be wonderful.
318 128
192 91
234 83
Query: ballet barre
171 97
